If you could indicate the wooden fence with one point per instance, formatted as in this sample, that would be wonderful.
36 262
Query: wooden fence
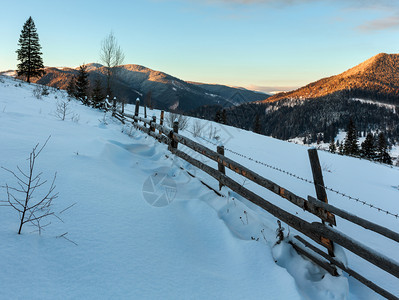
320 232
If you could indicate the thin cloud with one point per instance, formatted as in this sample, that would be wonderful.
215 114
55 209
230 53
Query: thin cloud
271 89
391 22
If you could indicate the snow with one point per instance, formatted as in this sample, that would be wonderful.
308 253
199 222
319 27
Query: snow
371 182
387 106
375 183
10 73
126 247
197 245
174 106
212 95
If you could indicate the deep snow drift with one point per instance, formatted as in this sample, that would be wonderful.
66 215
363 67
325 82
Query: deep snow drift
198 246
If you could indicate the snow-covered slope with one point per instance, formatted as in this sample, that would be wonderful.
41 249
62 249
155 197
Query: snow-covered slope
126 247
199 246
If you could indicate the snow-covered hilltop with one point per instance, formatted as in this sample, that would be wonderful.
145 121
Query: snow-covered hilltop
198 246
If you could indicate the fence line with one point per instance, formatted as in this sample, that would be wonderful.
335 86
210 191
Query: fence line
316 231
379 209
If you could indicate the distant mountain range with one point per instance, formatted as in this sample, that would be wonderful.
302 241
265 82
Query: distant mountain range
167 92
376 78
367 93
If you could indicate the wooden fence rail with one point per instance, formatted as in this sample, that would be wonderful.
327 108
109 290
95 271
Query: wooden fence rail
322 234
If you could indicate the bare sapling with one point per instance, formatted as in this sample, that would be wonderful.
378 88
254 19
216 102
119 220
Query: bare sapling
62 110
181 119
197 128
27 197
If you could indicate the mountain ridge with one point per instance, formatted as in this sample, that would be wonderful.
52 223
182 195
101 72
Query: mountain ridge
367 94
376 77
167 92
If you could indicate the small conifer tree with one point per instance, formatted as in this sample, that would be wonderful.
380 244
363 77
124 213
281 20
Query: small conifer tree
97 94
382 150
342 148
351 146
82 84
71 88
332 148
224 117
368 147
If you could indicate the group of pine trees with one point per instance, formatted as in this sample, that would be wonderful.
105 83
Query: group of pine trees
79 88
374 147
31 65
221 117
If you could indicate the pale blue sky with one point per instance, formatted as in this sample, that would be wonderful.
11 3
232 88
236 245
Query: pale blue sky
272 43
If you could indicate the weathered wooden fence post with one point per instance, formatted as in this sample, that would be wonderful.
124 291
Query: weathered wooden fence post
320 192
114 106
136 110
153 122
106 103
173 143
221 168
161 120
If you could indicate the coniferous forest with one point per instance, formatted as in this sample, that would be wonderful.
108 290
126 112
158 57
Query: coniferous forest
316 120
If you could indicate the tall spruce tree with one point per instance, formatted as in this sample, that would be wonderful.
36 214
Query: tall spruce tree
29 52
82 84
351 146
368 147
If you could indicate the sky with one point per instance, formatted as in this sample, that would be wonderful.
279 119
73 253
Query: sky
267 45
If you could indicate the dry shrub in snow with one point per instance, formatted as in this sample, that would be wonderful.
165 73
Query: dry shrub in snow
197 128
171 117
40 90
27 196
62 109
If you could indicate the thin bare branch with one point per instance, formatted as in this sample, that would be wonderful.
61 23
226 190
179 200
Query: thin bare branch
15 175
59 218
44 145
38 218
37 176
64 236
67 208
22 172
16 190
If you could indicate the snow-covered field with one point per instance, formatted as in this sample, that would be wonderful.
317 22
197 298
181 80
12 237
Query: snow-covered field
200 245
